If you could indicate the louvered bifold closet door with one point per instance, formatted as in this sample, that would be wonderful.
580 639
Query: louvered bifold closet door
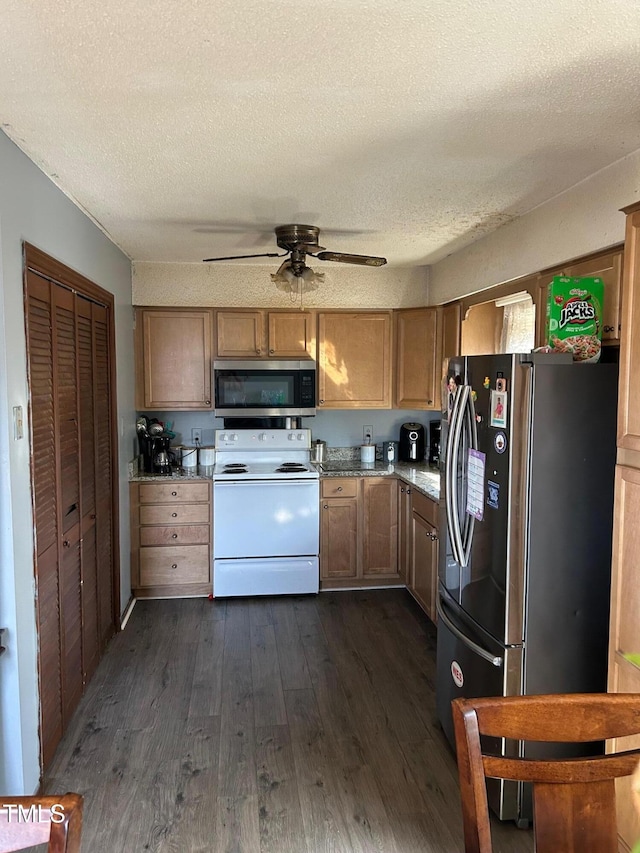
88 439
45 497
66 427
105 533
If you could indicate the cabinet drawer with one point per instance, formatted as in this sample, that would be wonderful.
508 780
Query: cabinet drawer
339 487
187 534
162 493
425 507
175 514
174 565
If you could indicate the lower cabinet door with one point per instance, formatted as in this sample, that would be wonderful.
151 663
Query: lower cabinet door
424 564
339 538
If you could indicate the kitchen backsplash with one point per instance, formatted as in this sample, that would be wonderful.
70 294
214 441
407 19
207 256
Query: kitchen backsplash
337 428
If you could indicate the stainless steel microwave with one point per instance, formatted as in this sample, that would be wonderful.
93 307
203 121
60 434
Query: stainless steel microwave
264 388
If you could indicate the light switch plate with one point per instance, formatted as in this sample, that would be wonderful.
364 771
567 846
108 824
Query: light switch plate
18 423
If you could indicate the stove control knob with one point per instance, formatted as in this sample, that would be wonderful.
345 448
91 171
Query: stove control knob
223 437
300 436
233 437
262 436
291 437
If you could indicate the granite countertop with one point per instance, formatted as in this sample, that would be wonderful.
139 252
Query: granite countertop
200 473
421 476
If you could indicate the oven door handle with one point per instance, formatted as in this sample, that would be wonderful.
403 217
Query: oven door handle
310 481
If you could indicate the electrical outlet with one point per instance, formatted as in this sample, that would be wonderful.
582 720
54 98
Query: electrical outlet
367 434
196 436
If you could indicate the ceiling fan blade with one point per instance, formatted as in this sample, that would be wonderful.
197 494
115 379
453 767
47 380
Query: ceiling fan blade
237 257
342 258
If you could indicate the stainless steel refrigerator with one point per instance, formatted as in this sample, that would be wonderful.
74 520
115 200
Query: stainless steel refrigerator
527 472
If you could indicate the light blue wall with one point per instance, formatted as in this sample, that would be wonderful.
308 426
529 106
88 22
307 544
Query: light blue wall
337 428
34 210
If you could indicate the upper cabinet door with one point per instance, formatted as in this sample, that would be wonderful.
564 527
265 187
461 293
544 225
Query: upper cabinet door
354 360
241 334
609 269
292 335
628 398
173 359
416 358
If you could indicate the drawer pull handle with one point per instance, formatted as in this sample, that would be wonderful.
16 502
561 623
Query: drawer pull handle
66 543
174 565
339 489
173 494
326 506
174 515
207 402
174 535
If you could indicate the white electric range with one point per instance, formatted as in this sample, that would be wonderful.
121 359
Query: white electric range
266 515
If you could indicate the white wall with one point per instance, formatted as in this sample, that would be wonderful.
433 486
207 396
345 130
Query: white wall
584 219
33 209
250 286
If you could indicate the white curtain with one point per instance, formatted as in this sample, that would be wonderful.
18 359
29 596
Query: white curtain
518 327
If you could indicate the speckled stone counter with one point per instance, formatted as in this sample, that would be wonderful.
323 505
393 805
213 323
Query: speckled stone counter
422 477
201 473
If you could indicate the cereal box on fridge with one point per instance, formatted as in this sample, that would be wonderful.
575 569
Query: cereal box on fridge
574 317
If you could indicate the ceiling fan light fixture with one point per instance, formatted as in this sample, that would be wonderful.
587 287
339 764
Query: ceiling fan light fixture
302 282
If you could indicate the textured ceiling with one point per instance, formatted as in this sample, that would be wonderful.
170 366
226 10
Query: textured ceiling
400 127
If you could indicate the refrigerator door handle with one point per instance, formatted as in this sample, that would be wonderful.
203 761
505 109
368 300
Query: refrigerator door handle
451 472
496 660
471 430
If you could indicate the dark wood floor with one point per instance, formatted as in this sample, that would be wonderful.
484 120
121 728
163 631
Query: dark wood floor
280 725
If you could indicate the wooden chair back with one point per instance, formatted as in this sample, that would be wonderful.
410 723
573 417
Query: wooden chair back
573 799
30 821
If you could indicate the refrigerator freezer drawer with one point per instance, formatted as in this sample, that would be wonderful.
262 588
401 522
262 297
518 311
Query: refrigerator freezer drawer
464 672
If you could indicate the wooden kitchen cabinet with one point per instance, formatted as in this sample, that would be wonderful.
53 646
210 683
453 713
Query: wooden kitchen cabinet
379 528
173 359
170 538
404 532
624 635
423 582
416 379
354 360
359 532
339 529
265 334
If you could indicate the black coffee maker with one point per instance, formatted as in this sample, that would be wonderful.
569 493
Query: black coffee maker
434 443
411 447
156 458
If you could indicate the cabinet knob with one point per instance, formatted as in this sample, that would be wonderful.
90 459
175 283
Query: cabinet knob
174 515
174 494
258 351
326 506
321 402
402 489
608 328
339 489
207 402
66 543
429 402
408 491
271 351
174 535
174 565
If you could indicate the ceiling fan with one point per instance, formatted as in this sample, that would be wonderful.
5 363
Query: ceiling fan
300 241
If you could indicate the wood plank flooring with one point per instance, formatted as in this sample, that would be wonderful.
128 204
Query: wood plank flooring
268 725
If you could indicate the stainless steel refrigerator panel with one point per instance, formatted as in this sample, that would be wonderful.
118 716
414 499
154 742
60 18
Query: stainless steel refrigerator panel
572 482
464 671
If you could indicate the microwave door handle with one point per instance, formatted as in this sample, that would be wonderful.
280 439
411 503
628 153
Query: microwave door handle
495 660
455 531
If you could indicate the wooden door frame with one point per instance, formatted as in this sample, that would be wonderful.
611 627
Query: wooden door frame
39 262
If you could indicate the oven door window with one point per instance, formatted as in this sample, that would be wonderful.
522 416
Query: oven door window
238 389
